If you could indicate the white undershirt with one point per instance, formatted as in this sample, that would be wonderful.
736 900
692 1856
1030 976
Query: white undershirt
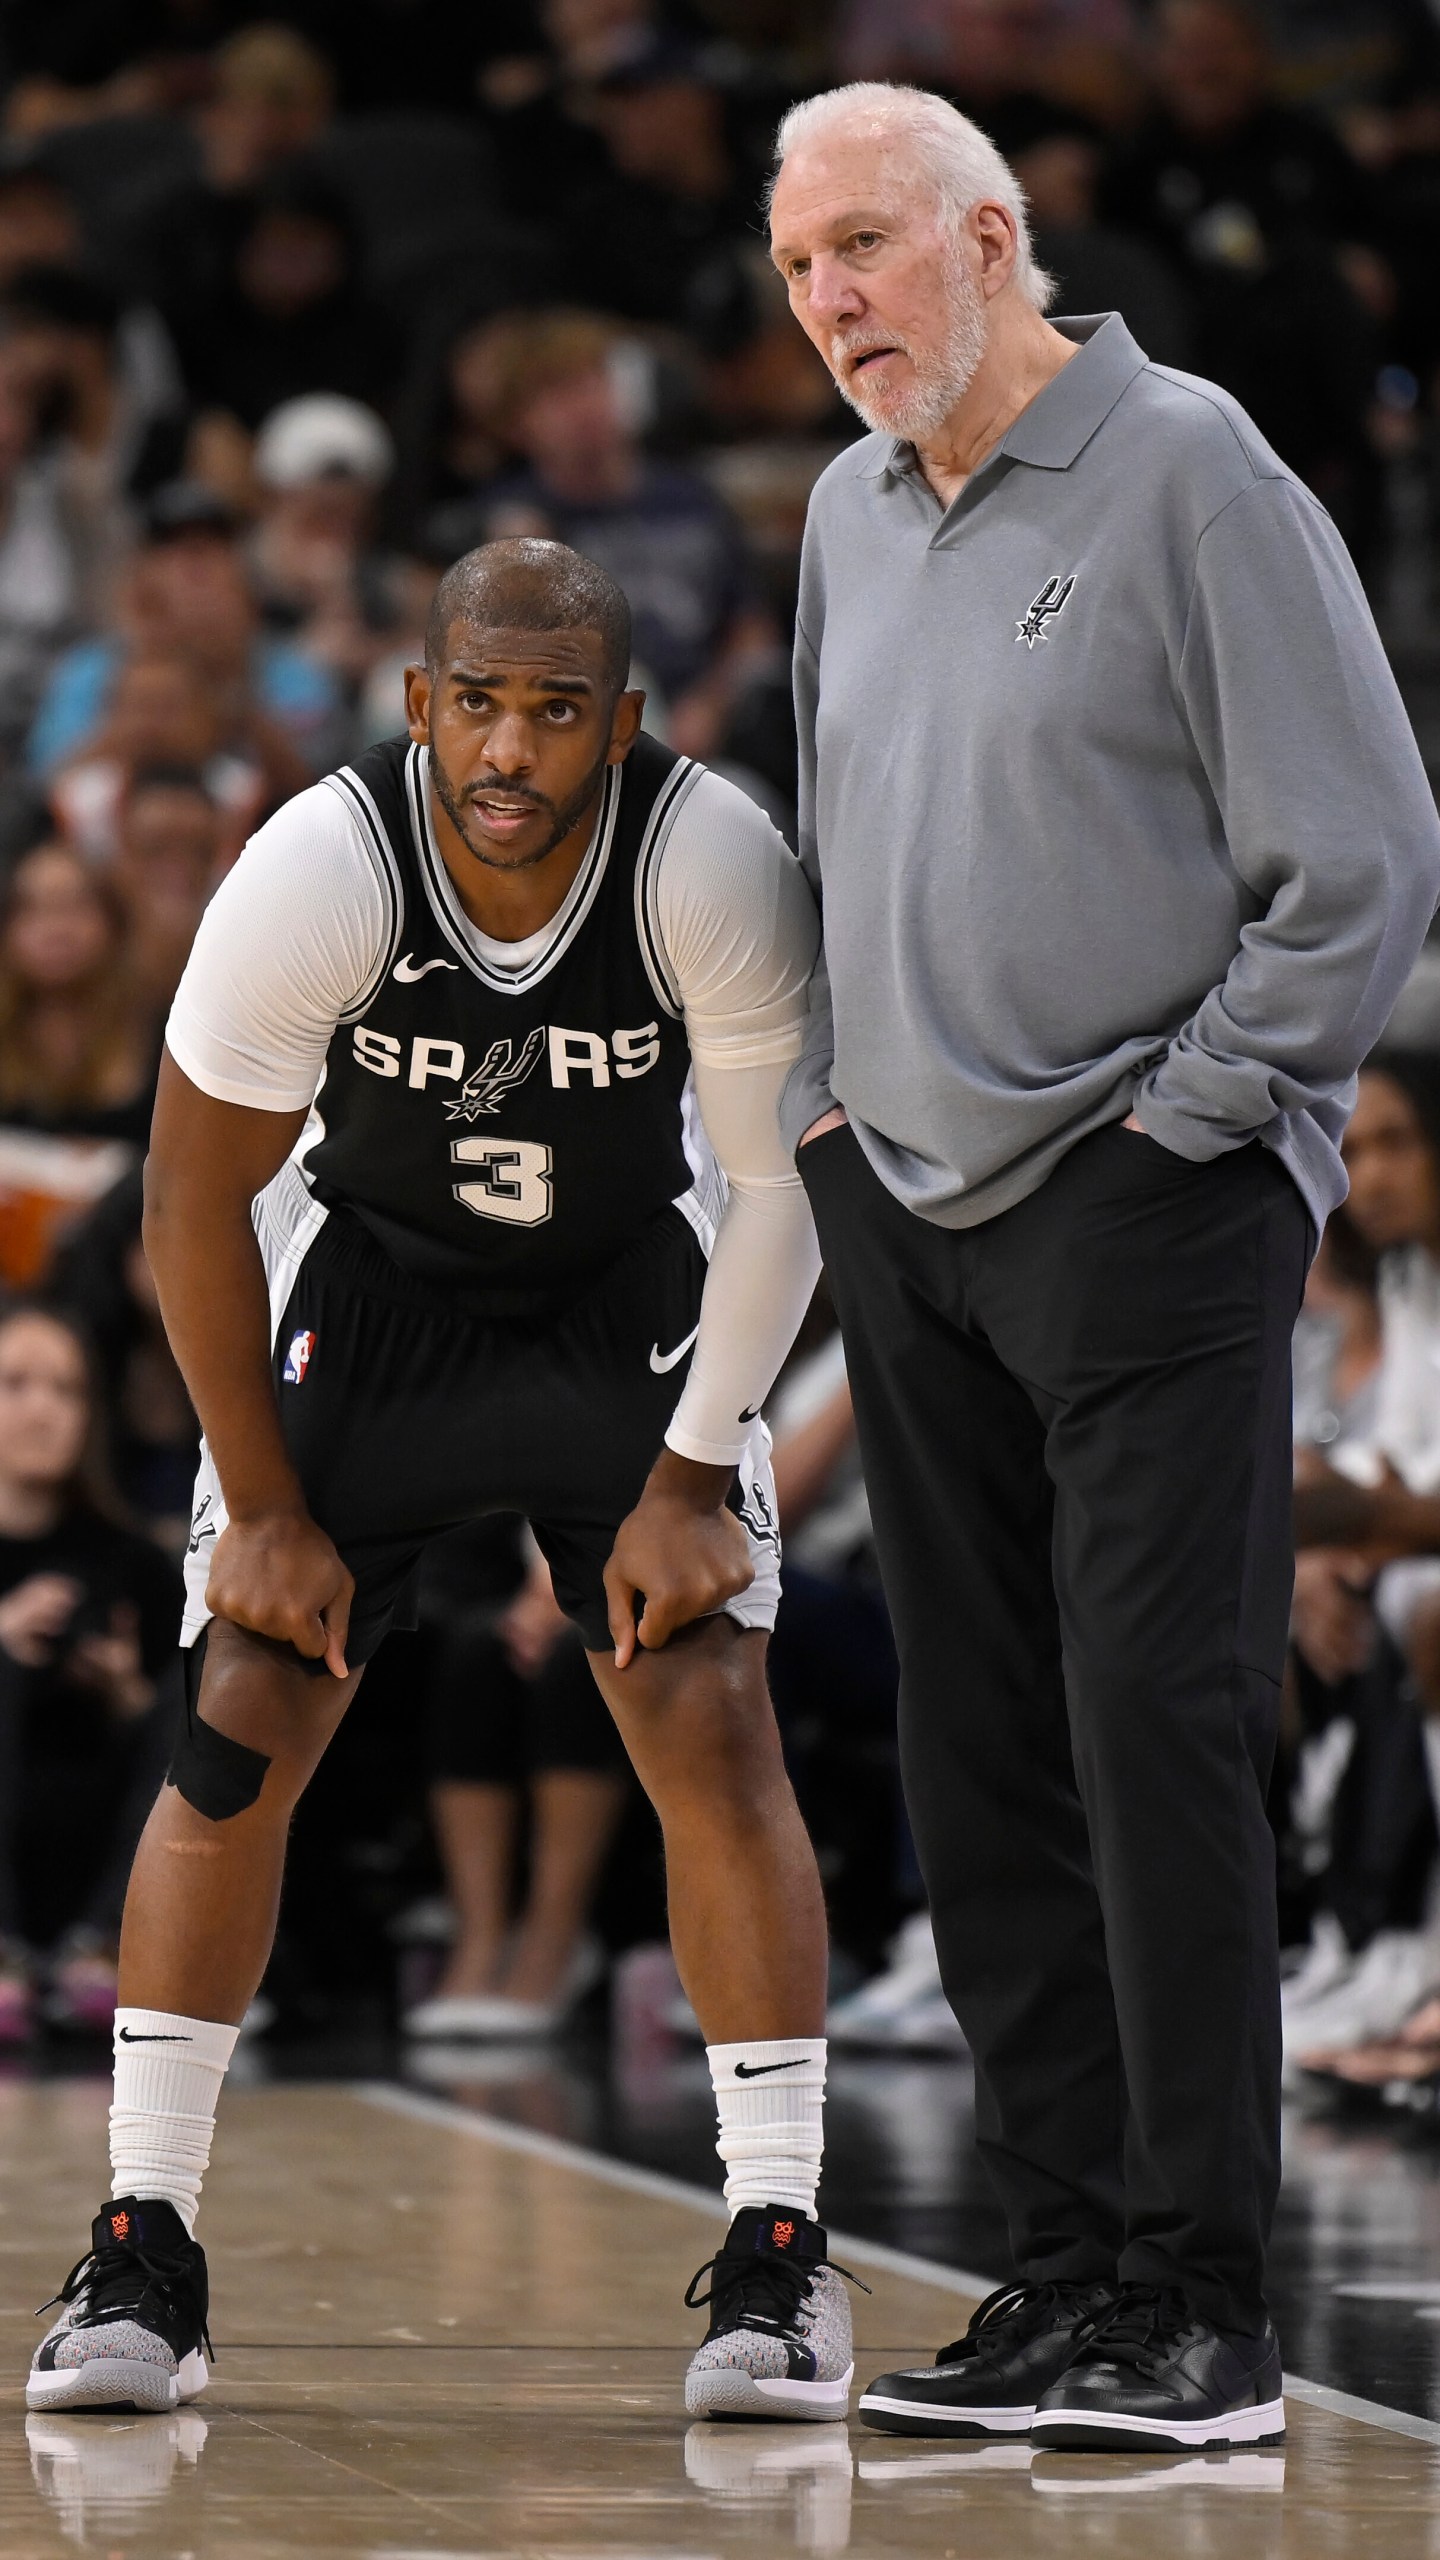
296 935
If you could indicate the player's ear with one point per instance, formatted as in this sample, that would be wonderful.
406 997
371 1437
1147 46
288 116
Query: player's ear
417 704
625 726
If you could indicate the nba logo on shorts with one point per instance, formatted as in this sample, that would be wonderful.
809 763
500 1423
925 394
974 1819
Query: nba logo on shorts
297 1358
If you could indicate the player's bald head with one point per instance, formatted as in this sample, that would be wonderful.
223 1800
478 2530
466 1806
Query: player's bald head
529 585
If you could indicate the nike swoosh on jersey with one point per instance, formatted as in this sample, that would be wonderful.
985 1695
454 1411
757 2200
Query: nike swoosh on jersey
757 2070
409 976
127 2038
660 1360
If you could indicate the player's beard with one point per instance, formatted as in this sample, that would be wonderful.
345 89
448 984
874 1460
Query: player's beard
942 374
568 814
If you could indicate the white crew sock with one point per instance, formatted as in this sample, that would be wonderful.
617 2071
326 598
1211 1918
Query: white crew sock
770 2098
168 2072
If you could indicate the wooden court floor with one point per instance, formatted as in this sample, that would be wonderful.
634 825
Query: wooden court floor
439 2337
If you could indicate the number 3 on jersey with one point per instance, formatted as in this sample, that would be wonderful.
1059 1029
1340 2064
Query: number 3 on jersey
512 1179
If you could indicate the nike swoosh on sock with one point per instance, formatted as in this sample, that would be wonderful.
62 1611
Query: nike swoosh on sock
750 2070
127 2038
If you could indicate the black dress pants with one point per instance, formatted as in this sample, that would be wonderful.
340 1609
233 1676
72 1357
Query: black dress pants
1075 1425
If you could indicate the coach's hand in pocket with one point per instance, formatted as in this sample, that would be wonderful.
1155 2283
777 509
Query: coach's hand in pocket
681 1548
279 1575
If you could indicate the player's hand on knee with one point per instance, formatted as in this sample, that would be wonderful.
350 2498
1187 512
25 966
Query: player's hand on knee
279 1575
682 1549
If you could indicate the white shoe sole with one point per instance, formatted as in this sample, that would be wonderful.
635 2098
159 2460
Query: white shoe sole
1115 2431
928 2418
117 2382
724 2391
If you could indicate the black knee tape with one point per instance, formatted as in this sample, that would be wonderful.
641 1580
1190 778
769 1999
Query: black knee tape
214 1773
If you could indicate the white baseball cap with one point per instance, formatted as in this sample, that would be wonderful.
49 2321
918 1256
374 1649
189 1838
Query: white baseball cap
322 435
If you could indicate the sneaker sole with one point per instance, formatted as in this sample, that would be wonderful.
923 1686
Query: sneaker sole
117 2383
1103 2431
925 2418
724 2391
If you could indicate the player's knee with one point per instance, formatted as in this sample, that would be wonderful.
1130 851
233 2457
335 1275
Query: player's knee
217 1775
239 1738
727 1749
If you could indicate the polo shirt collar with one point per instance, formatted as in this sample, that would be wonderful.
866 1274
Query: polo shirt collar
1062 418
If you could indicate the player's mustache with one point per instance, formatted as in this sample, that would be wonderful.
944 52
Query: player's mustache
512 791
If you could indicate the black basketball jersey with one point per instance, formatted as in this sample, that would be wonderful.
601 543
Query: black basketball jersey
509 1131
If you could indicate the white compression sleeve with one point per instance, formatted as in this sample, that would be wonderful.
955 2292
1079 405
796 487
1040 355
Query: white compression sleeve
736 923
763 1268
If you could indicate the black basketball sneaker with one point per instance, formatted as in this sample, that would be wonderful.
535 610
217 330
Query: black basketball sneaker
132 2328
1018 2343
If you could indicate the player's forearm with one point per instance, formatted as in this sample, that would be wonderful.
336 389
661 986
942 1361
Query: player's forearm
211 1285
762 1274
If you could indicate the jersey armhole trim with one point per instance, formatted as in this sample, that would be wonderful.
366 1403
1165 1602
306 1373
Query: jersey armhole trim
668 803
348 787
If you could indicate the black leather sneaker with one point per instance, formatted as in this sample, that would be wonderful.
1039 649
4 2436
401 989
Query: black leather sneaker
987 2384
1154 2375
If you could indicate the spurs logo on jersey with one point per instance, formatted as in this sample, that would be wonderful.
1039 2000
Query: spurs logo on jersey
483 1092
579 1057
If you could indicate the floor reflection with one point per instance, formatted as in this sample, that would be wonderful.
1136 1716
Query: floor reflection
103 2478
803 2477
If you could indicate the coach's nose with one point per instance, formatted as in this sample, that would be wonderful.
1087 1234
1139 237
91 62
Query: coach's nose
834 300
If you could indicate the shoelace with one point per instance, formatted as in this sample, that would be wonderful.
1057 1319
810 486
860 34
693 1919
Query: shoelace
1011 2313
118 2279
1143 2324
765 2291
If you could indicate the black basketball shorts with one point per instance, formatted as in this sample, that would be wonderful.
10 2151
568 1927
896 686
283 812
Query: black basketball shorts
406 1415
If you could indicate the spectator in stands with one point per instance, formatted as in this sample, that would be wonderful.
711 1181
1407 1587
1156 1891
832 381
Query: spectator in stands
517 1726
44 568
78 1048
39 220
41 229
166 864
102 1278
290 313
89 1618
1096 266
322 463
163 709
110 408
1273 228
1369 1626
449 444
621 135
987 54
187 595
268 99
569 395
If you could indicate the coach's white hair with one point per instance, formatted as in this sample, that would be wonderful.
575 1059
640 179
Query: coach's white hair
952 155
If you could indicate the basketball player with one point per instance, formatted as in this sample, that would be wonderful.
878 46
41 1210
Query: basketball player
470 1025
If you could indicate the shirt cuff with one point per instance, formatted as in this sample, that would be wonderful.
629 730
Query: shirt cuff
806 1098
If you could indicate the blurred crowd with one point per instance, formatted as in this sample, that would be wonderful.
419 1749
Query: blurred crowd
296 305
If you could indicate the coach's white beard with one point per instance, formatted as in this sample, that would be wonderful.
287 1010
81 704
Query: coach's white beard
942 375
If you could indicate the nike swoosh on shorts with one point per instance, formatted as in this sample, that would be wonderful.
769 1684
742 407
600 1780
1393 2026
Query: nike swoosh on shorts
409 976
660 1360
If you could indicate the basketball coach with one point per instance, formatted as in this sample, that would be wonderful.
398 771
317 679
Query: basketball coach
1125 850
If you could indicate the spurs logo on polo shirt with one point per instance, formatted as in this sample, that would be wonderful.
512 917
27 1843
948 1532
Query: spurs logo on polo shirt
1042 609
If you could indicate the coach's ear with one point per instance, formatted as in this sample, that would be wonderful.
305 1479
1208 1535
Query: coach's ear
624 727
417 704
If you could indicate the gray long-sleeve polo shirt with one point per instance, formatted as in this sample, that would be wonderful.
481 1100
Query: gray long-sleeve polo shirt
1109 794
